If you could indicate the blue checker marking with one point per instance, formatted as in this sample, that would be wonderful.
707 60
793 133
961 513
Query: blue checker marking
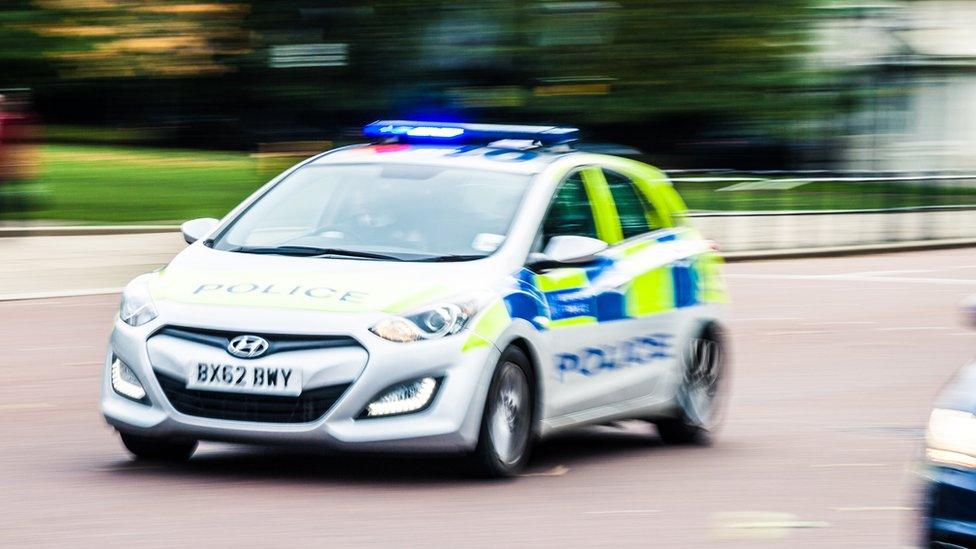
685 282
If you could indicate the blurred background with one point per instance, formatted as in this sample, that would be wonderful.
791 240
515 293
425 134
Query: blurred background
160 111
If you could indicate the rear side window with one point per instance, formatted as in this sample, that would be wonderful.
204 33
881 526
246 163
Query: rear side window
637 216
570 213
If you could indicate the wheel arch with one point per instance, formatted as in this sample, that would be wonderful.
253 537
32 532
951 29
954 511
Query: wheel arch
535 365
714 328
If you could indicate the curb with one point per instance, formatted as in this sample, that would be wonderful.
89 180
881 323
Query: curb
857 249
87 230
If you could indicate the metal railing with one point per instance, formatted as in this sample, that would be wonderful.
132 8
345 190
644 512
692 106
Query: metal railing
816 209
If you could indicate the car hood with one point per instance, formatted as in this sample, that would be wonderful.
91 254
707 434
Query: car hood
203 276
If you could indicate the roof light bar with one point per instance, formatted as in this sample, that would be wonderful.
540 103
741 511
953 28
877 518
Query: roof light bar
438 132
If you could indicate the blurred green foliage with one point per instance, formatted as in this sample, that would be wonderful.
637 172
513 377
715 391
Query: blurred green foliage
594 62
116 184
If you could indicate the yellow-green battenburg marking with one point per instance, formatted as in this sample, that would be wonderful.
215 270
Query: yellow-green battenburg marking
573 321
492 323
603 206
561 279
637 247
651 292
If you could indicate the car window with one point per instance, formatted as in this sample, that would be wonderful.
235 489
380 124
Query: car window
570 213
410 210
637 215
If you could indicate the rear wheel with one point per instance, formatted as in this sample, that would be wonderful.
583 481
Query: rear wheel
505 438
158 449
700 398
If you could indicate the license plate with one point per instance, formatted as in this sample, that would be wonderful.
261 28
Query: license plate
240 378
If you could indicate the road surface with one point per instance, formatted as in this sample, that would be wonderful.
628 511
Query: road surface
836 363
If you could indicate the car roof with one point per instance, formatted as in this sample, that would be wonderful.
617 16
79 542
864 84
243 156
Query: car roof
489 158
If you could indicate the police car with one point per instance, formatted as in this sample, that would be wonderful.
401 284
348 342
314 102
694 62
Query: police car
447 288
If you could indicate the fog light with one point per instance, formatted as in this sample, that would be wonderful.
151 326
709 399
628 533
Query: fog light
405 398
125 382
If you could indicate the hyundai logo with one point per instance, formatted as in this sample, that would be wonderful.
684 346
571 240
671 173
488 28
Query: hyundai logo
247 346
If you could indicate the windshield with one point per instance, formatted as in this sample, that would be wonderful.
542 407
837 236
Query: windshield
380 211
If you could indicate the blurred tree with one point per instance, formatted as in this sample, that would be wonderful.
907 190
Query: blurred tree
733 58
22 51
308 63
116 38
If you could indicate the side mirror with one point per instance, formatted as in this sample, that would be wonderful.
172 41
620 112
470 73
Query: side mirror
567 249
195 229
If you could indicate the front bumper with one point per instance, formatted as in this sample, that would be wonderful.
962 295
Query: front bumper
950 506
449 424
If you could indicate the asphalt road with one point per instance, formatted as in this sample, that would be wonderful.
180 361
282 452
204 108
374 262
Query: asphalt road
836 362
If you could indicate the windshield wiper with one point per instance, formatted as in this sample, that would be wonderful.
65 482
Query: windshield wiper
339 252
311 251
451 257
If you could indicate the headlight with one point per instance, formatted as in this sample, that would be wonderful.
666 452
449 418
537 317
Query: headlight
432 323
951 438
126 383
137 304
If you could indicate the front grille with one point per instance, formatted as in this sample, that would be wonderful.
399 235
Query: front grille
308 406
277 343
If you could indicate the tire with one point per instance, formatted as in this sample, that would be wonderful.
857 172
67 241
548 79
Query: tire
158 449
701 396
505 438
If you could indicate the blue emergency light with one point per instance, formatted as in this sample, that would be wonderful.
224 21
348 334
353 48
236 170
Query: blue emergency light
409 131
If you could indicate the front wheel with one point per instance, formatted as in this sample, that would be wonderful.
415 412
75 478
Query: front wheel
700 398
158 449
505 438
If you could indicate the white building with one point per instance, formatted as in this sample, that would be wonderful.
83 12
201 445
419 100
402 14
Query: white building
912 65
